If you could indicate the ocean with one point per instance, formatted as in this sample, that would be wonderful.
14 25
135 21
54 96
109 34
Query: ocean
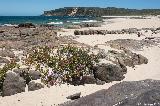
38 20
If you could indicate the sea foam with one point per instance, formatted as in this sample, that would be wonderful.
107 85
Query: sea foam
55 23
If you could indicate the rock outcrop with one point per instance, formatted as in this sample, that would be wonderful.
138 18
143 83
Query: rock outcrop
132 44
28 75
23 37
123 58
32 86
88 80
151 97
3 60
27 25
109 72
134 93
13 84
104 32
7 53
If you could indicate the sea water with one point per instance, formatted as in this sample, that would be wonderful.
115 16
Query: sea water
38 20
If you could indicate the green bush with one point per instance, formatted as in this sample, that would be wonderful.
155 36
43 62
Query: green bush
64 64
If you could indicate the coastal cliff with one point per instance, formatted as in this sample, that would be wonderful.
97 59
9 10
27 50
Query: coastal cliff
96 11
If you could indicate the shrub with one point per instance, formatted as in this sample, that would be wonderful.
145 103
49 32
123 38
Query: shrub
65 64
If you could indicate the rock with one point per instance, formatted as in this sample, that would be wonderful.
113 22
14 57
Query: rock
3 60
75 80
109 72
76 32
1 31
158 28
139 59
101 32
7 53
23 72
13 84
74 96
101 54
126 58
34 74
27 25
151 97
88 80
32 86
132 44
73 27
28 75
99 82
90 25
86 32
131 93
17 59
91 32
122 64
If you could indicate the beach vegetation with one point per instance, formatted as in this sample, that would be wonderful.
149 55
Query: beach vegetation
61 65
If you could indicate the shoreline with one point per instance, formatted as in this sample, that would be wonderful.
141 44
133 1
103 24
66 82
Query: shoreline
57 95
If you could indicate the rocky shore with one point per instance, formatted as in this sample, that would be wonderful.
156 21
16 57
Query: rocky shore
125 56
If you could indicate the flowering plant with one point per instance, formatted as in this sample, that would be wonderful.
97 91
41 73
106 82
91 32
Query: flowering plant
65 64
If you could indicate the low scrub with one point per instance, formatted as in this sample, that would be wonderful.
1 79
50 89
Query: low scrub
62 65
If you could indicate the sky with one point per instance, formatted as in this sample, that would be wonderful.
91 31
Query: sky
36 7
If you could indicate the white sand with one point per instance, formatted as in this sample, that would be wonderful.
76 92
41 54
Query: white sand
56 95
49 96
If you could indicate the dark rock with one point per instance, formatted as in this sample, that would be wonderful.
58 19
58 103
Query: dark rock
73 27
90 25
7 53
74 96
75 80
91 32
1 31
109 72
34 74
151 97
146 93
3 60
150 38
126 58
23 72
76 32
17 59
28 75
132 44
88 80
101 32
86 32
32 86
102 54
13 84
99 82
27 25
122 64
139 59
95 31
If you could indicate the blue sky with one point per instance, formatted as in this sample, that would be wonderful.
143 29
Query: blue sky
36 7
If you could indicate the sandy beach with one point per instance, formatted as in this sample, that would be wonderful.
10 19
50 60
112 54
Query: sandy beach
57 94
